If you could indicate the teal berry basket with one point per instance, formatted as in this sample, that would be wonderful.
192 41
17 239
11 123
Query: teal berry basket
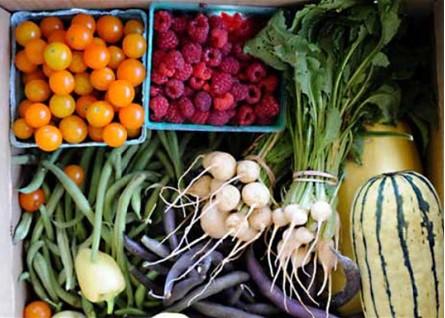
210 9
16 92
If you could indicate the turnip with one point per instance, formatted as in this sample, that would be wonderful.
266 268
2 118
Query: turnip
248 171
279 220
327 259
261 219
201 187
221 165
213 221
215 185
227 198
255 195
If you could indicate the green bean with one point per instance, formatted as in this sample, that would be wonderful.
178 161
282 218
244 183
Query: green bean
85 162
38 178
152 303
24 159
88 308
35 282
150 205
37 286
23 277
139 155
131 152
68 207
167 164
54 199
170 142
61 278
80 232
135 231
97 169
139 296
52 247
22 228
46 190
154 166
145 155
136 202
42 271
129 311
116 162
46 222
37 231
65 253
65 225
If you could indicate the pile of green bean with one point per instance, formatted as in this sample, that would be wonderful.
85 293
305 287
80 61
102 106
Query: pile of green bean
119 194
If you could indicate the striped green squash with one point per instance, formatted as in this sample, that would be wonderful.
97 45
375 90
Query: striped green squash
397 235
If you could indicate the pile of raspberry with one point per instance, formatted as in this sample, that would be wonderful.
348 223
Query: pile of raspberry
202 76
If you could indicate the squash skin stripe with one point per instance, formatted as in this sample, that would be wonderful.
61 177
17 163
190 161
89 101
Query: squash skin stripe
379 243
429 226
401 223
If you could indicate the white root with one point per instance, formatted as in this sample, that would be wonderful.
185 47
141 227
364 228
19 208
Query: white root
279 220
255 195
221 165
228 198
201 188
298 261
327 259
261 219
248 171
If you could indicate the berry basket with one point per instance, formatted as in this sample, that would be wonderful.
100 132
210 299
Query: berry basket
193 8
16 92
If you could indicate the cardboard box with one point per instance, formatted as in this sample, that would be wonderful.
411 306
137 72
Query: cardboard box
12 292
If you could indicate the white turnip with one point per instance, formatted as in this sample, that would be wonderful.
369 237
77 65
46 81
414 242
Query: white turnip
248 171
227 198
255 195
201 187
221 165
261 219
213 221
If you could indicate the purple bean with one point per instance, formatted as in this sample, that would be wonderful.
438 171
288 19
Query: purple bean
155 246
220 311
261 309
169 221
145 281
276 296
234 298
137 250
183 287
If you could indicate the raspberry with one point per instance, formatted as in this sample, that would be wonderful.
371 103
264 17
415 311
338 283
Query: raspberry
196 83
212 57
253 94
158 56
264 120
255 72
179 24
206 87
218 37
167 40
191 52
188 91
163 21
269 84
174 88
186 107
158 78
245 31
174 115
153 117
239 91
198 28
226 49
245 115
165 70
221 83
268 107
237 50
201 71
160 106
203 101
171 62
218 118
199 117
216 21
224 102
184 73
155 90
229 65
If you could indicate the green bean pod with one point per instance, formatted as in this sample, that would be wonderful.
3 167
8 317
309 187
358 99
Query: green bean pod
151 203
54 199
167 164
46 222
52 247
129 311
88 308
23 227
129 155
97 169
42 271
65 252
139 296
145 155
135 202
24 159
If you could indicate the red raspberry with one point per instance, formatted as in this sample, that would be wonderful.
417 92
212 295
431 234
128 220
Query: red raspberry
230 65
196 83
199 117
221 83
212 57
218 118
153 117
245 115
253 94
245 31
174 59
239 91
268 107
158 78
226 49
203 101
188 91
174 115
163 21
216 21
167 40
160 106
198 28
158 56
174 88
255 72
184 73
186 107
206 87
237 50
218 37
155 90
264 120
232 22
179 24
224 102
165 70
269 84
191 52
201 71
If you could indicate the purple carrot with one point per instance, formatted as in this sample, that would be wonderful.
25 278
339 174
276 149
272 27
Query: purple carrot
276 296
169 221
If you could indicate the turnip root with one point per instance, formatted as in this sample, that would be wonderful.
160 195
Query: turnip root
255 195
248 171
227 198
201 187
261 219
215 185
279 220
296 214
328 260
213 221
221 165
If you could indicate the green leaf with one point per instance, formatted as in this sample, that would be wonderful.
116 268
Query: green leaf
356 152
389 16
380 59
333 125
387 99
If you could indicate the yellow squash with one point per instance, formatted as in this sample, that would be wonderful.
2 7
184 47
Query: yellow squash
381 154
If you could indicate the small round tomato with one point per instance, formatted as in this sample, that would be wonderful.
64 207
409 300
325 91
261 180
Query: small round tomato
95 133
37 90
116 56
77 65
74 130
134 45
100 114
78 36
62 106
37 115
82 84
96 56
61 82
31 202
75 173
85 20
114 135
34 51
82 104
57 36
23 63
57 56
132 116
37 74
23 106
21 129
131 70
50 24
47 70
133 133
120 93
109 28
48 138
99 41
133 26
102 78
27 31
